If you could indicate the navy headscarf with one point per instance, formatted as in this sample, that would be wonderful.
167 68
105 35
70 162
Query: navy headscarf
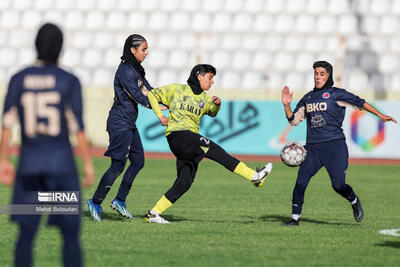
48 43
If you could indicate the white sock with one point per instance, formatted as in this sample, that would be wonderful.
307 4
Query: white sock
255 176
153 212
354 201
295 216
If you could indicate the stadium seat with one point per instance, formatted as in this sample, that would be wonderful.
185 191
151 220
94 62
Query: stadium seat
166 41
230 80
191 6
314 43
102 77
326 24
22 4
74 20
64 5
221 59
157 59
4 38
395 8
166 77
19 39
233 6
106 5
394 45
295 6
347 25
339 7
71 58
149 5
275 81
82 40
395 83
378 44
390 25
231 41
221 22
124 5
283 61
178 59
115 20
262 61
54 16
284 23
43 5
85 5
389 63
252 42
273 43
253 81
263 23
304 61
370 24
92 58
10 54
10 19
137 21
242 23
212 5
200 21
95 20
293 42
5 4
31 19
274 6
187 41
179 21
241 60
369 62
304 24
356 81
158 20
317 7
254 6
111 58
295 81
379 7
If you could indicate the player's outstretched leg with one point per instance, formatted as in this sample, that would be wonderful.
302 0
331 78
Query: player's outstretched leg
95 209
153 217
262 175
120 207
357 209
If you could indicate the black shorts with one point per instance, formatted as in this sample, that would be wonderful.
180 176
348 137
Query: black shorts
187 145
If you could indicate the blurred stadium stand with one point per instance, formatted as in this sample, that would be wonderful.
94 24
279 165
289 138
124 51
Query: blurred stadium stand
257 46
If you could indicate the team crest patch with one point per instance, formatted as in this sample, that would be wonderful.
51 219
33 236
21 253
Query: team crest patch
326 95
201 104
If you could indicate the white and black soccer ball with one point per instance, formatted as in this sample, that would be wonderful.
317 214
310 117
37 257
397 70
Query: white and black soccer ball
293 154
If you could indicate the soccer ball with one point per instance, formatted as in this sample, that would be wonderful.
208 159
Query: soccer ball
293 154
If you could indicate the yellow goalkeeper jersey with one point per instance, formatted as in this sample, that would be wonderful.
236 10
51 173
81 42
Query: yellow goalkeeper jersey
185 108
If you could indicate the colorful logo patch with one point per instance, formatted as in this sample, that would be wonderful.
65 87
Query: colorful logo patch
326 95
366 145
201 104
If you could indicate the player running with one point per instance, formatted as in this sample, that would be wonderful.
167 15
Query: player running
43 99
187 105
324 108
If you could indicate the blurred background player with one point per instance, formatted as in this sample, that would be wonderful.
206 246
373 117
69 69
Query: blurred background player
130 88
324 108
44 98
187 105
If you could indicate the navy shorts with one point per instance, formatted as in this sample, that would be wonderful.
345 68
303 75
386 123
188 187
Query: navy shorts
333 155
122 142
26 186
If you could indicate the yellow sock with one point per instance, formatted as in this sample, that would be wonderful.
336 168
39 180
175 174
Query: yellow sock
244 171
162 205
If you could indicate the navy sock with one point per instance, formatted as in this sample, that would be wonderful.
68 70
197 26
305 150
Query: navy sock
23 248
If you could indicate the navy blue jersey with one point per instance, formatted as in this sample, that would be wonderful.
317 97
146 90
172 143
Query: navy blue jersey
44 99
130 90
325 111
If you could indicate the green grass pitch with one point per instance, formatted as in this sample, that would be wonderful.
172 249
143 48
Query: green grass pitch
225 221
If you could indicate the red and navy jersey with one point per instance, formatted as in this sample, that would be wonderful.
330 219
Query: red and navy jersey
46 101
325 111
130 90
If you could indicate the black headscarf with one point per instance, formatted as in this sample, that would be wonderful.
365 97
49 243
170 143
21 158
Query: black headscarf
133 40
48 43
193 81
329 69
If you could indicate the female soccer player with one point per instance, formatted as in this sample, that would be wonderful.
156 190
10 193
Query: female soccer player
187 105
324 109
43 98
130 88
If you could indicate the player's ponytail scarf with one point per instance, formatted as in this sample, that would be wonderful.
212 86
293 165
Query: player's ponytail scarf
133 40
48 43
329 69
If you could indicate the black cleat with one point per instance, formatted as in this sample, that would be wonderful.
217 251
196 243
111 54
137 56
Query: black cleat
357 211
292 222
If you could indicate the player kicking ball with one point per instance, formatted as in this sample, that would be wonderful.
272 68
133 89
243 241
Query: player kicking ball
187 105
324 109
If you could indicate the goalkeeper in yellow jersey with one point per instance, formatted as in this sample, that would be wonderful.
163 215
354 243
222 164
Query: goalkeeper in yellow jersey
187 104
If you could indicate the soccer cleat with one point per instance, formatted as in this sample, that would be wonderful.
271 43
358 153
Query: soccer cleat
357 211
292 222
154 218
120 207
262 175
95 209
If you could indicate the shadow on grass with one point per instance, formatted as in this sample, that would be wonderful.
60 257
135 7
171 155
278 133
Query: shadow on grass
282 219
173 218
392 244
106 216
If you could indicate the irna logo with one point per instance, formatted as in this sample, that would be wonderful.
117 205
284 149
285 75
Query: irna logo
58 197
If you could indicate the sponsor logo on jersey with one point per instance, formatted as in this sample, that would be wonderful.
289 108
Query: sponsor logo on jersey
326 95
201 104
190 109
321 106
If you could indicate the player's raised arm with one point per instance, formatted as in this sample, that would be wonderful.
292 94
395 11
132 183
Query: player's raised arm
287 98
385 118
